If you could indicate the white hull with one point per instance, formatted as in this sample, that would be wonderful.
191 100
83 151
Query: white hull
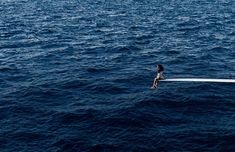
200 80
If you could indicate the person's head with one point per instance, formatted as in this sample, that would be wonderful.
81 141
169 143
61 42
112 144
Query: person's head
160 68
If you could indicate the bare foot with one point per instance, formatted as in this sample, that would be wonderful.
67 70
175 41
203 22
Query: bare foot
153 87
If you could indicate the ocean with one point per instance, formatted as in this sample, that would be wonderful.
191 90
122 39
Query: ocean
75 75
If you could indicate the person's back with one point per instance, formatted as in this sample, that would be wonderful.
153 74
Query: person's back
160 70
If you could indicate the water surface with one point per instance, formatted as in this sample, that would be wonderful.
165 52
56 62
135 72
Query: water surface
75 75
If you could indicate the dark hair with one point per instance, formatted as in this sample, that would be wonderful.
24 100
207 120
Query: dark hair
160 68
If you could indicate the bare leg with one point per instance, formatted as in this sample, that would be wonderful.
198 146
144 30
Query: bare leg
154 83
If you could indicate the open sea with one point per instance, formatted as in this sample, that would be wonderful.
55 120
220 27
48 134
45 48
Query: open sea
75 75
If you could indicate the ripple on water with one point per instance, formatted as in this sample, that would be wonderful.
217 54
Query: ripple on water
75 75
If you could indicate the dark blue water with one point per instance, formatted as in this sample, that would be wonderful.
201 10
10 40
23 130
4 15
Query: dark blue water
75 75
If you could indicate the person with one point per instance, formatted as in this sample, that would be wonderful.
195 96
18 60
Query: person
159 76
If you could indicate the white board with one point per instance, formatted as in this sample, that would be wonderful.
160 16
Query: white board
200 80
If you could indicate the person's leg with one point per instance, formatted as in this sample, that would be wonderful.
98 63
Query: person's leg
155 82
153 86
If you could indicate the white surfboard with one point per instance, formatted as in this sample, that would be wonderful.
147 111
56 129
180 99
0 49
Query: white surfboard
200 80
